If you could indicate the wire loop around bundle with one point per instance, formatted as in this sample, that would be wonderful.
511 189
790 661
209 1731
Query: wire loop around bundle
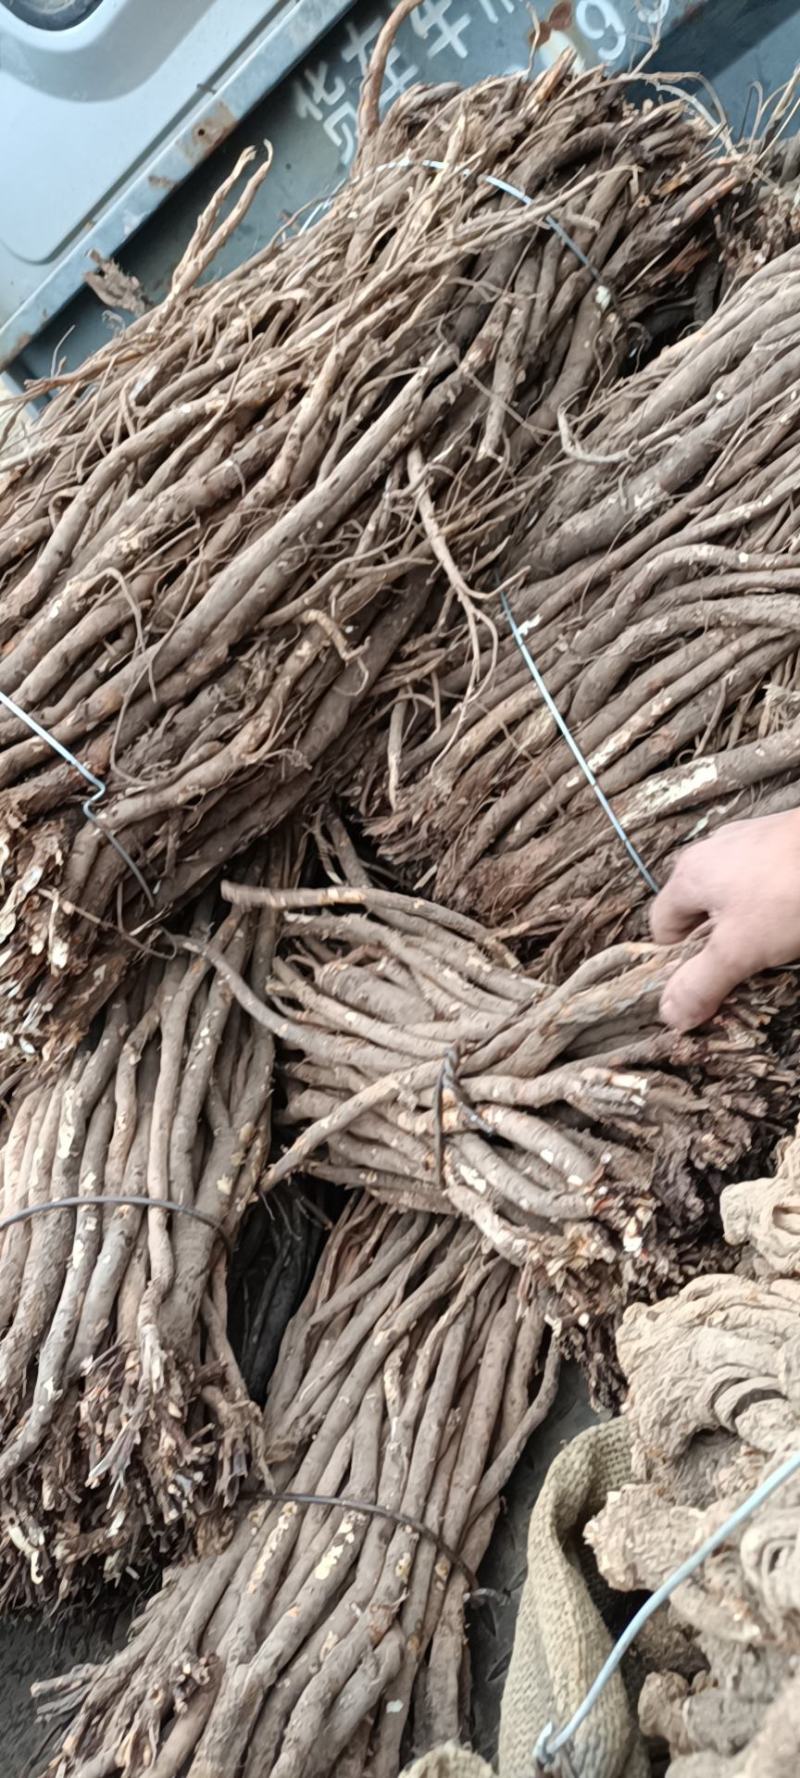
98 787
111 1201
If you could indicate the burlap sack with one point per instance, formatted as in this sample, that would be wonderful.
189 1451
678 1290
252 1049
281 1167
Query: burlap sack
561 1640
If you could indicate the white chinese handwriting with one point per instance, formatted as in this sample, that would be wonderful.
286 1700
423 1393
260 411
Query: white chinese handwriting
321 94
358 48
303 104
600 21
399 74
312 91
438 31
360 39
342 127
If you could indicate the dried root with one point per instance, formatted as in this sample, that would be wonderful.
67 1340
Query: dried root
233 516
125 1416
253 553
713 1406
654 578
410 1378
422 1063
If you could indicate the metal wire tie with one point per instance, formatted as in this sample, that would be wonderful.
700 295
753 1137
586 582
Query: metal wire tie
573 746
550 1743
99 786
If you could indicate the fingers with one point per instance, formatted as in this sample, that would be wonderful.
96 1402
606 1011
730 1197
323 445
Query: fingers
698 988
677 909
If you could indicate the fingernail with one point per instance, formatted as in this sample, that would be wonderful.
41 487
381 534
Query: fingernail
674 1011
665 1007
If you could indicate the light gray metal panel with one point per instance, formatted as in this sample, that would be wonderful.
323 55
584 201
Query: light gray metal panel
100 122
310 118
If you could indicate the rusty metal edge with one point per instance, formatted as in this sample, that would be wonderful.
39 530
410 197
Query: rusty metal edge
267 59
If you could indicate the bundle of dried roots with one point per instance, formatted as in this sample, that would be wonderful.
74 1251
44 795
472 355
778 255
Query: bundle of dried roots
581 1137
654 581
713 1407
330 1639
231 517
123 1411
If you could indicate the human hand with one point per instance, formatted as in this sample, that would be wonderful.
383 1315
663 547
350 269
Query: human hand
745 881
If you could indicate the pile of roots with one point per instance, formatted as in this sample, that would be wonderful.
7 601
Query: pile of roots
231 517
653 581
419 1064
328 1634
713 1408
584 1140
125 1415
308 1181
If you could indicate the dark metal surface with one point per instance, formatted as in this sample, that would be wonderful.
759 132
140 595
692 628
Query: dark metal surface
738 45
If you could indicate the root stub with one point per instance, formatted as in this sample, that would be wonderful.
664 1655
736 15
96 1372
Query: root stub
713 1412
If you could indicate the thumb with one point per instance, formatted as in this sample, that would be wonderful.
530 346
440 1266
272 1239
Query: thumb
698 988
